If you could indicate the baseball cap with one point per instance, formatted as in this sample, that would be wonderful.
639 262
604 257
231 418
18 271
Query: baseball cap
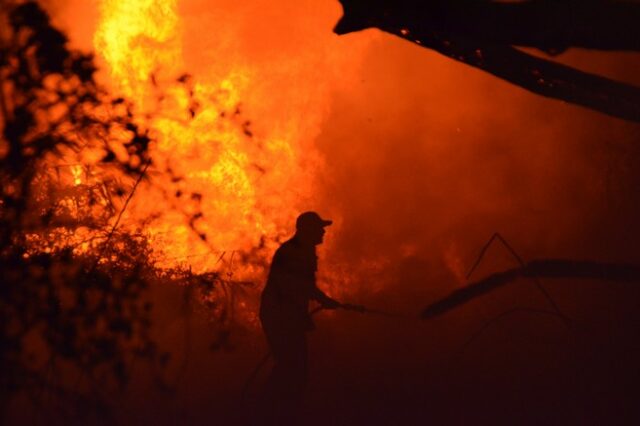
311 219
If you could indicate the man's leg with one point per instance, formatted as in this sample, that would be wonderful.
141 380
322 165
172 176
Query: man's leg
287 383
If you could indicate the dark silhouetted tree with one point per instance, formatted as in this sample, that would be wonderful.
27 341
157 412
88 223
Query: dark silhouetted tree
72 321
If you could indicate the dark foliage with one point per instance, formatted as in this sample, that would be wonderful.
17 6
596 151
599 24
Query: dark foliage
75 316
72 322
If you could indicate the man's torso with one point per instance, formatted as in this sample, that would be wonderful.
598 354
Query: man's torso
285 299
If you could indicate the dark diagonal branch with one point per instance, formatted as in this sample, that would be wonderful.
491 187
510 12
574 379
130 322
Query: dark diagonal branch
544 268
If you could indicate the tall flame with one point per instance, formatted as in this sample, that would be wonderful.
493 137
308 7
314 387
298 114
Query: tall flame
136 37
252 182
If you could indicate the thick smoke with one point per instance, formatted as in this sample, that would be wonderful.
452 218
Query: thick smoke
427 159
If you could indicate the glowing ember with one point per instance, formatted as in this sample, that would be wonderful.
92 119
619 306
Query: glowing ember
76 171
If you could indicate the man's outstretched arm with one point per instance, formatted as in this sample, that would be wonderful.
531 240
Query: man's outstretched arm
323 299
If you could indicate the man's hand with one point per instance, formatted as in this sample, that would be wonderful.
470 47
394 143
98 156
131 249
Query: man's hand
357 308
331 304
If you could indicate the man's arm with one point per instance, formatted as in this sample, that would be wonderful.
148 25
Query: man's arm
324 300
329 303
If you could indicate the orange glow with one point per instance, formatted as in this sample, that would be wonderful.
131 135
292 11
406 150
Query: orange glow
413 155
252 181
261 112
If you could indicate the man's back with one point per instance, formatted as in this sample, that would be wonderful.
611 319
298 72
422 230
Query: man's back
290 286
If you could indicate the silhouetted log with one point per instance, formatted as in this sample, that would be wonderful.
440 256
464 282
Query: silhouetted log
545 268
551 26
482 34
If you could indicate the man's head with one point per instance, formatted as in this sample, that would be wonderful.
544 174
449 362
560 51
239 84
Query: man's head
310 228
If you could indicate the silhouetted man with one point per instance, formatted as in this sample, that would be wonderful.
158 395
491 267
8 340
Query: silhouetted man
284 313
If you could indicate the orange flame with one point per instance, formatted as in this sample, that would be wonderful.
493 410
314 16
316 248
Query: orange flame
252 182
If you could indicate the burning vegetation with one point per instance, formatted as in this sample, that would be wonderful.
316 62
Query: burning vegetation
116 183
76 265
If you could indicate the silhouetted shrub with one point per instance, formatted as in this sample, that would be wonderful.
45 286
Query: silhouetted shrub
73 316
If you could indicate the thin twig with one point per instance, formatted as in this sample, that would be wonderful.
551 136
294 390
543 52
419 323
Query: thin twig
126 203
481 255
124 207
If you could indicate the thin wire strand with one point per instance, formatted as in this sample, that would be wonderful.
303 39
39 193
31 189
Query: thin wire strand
523 266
